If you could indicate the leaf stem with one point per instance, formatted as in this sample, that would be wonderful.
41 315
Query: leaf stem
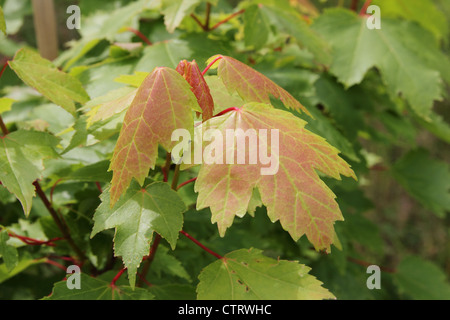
226 111
5 130
228 19
140 35
366 264
210 64
176 175
200 244
196 19
363 10
186 182
354 5
118 275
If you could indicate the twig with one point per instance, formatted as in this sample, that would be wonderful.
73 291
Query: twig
140 35
227 19
200 244
186 182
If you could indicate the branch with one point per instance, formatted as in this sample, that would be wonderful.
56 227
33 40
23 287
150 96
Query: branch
354 5
118 275
186 182
366 264
227 19
200 244
140 35
193 16
61 226
208 15
363 10
210 65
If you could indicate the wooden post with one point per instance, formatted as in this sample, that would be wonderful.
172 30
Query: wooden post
45 28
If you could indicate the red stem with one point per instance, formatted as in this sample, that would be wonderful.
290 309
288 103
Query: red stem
226 111
363 10
201 245
5 130
53 189
354 5
227 19
210 65
366 264
56 264
99 187
140 35
193 16
3 68
2 124
118 275
186 182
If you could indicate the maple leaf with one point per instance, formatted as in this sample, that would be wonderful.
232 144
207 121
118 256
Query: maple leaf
248 274
140 212
191 72
162 104
21 162
97 289
393 49
251 85
57 86
295 194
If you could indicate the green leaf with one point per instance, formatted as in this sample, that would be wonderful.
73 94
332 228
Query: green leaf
422 280
357 49
436 125
136 216
249 275
97 172
256 27
107 106
426 179
21 162
168 264
5 104
2 21
96 289
57 86
291 23
7 252
25 262
173 292
163 103
424 12
174 11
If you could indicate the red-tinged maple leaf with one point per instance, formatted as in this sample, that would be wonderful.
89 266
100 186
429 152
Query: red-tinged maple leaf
250 84
191 72
163 103
295 194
